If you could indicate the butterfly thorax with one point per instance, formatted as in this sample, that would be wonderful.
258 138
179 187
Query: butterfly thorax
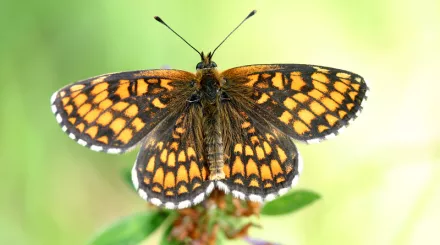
209 84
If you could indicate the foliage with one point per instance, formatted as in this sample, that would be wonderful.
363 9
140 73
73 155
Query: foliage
290 202
130 230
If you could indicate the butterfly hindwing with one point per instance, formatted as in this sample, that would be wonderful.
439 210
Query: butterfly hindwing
308 103
262 161
170 170
113 112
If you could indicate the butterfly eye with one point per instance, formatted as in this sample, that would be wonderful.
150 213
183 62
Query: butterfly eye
199 65
213 64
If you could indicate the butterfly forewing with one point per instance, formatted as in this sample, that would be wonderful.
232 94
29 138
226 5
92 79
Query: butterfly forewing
113 112
306 102
170 169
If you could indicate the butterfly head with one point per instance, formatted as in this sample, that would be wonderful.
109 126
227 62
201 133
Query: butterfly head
206 62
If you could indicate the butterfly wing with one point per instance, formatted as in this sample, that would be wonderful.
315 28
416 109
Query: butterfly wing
262 163
113 112
308 103
170 170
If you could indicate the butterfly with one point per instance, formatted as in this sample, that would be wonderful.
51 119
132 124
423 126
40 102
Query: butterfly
229 130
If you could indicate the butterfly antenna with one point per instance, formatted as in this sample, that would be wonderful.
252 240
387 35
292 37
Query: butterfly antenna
165 24
247 17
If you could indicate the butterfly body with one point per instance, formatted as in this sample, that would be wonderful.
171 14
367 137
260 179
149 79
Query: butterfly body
212 134
210 97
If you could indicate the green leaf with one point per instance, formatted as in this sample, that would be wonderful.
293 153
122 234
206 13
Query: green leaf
130 230
126 176
290 202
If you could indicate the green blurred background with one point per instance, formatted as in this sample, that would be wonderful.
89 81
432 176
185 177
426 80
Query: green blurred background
380 180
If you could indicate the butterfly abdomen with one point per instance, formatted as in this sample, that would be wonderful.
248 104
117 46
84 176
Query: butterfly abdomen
213 143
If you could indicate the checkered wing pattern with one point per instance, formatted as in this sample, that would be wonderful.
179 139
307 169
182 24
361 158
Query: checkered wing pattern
308 103
113 112
262 162
170 170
